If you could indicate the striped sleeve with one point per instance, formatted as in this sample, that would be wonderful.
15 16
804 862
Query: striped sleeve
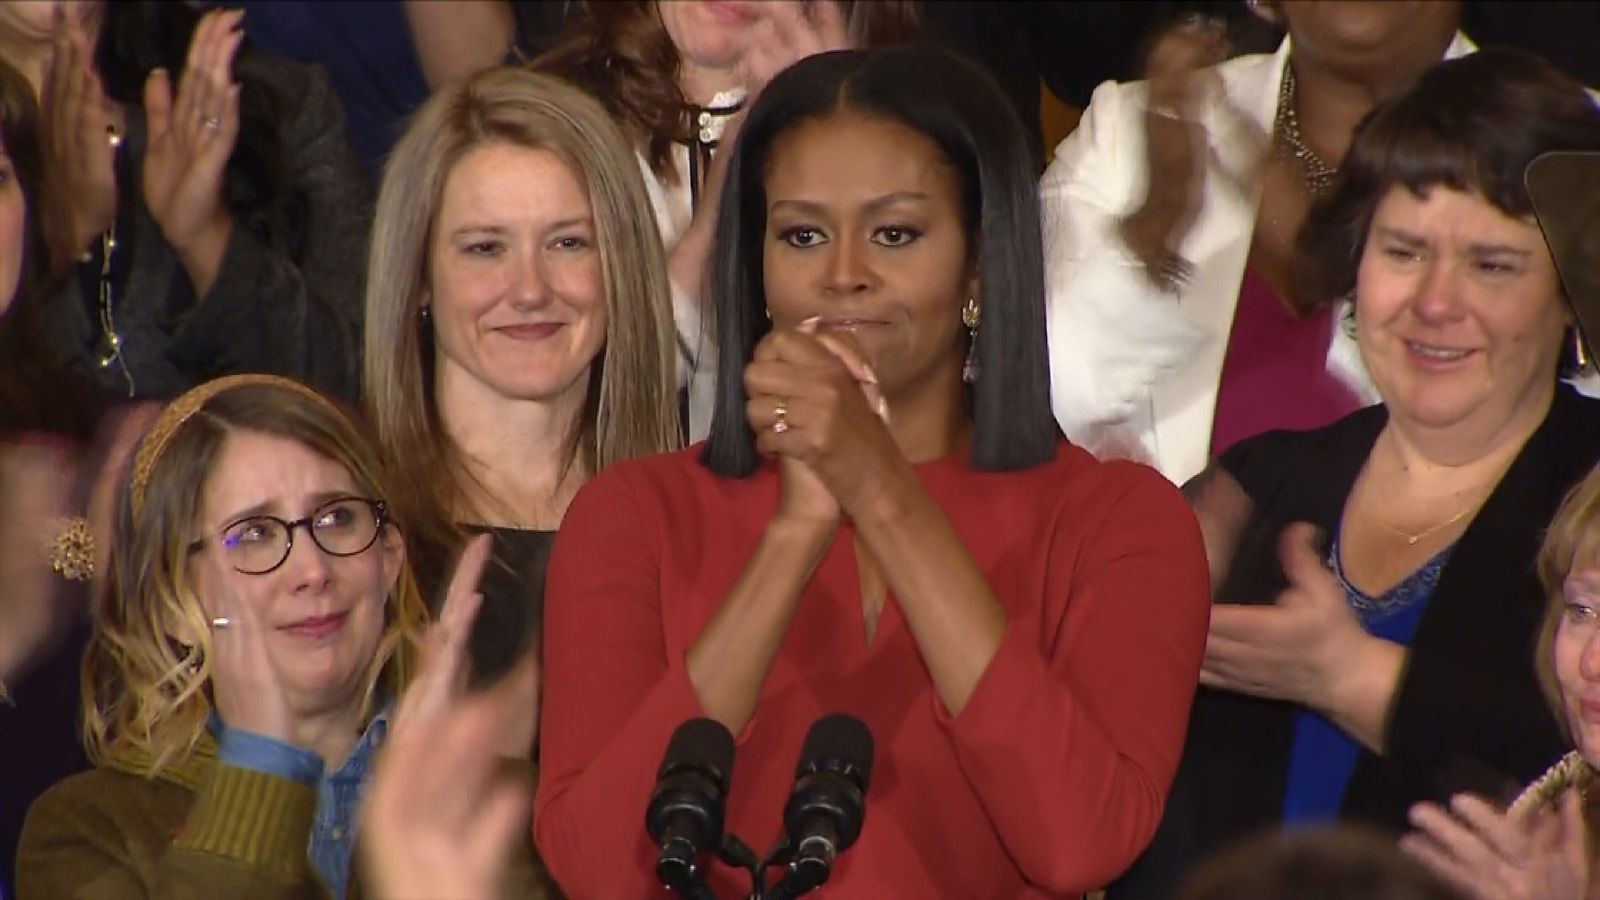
260 820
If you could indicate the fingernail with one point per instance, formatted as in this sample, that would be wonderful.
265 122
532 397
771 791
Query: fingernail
871 376
810 325
883 409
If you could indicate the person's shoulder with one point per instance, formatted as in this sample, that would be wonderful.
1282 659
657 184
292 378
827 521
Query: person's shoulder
1570 438
1353 433
669 466
658 476
1078 481
104 800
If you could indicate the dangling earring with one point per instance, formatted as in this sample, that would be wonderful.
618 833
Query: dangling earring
1580 352
969 318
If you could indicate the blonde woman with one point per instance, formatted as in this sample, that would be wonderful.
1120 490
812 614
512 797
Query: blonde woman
518 330
261 622
1542 846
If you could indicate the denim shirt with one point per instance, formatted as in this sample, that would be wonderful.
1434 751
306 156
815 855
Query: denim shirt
333 827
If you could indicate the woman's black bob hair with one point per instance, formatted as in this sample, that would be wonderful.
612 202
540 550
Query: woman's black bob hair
958 107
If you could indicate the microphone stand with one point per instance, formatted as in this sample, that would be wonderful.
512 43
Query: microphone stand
808 867
736 853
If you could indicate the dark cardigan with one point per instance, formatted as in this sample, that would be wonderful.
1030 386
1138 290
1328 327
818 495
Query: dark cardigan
1468 713
286 304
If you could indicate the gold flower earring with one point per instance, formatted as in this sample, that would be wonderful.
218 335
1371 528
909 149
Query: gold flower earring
970 318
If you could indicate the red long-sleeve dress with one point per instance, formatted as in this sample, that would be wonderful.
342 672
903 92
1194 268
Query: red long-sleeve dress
1049 782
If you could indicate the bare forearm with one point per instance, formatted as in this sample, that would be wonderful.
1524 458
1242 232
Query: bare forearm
729 661
954 617
458 39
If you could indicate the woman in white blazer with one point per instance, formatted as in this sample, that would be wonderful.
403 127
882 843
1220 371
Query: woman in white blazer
1147 262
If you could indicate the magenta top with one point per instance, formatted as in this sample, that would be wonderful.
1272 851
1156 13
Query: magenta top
1275 372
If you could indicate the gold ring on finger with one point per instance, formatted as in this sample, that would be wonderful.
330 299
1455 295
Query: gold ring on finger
780 418
211 122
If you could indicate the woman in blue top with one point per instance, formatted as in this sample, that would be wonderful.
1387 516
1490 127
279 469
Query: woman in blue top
1374 578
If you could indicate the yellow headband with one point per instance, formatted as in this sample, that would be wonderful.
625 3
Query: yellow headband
180 410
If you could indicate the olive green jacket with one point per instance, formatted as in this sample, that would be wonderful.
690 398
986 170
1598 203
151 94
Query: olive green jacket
197 830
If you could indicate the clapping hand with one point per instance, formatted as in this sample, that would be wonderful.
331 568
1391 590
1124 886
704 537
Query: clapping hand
787 33
1177 72
441 817
1297 649
246 687
191 137
79 134
1486 854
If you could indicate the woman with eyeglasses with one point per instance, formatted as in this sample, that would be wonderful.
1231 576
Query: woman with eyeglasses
261 623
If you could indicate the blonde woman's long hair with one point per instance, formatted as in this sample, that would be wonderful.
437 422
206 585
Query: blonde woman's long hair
631 407
147 669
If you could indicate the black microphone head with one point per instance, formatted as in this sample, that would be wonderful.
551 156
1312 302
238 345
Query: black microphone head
703 744
838 743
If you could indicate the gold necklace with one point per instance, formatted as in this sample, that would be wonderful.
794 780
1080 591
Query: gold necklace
1318 175
1413 538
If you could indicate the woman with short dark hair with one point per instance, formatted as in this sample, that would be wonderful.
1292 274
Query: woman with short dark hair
884 522
1374 578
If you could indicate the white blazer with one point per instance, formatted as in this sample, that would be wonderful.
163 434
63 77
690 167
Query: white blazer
1135 371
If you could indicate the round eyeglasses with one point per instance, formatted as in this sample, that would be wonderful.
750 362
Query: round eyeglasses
256 545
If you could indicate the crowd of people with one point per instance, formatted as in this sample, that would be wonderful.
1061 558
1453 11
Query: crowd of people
389 465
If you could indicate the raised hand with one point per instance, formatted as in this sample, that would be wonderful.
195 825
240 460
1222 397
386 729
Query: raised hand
191 137
247 689
1488 855
1175 147
1305 648
814 402
787 33
442 675
442 815
79 133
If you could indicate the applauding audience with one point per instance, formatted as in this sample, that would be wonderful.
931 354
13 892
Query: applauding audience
215 203
1171 212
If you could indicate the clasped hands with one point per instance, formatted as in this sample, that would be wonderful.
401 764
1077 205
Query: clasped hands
815 403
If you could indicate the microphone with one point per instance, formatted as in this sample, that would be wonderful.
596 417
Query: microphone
685 814
824 813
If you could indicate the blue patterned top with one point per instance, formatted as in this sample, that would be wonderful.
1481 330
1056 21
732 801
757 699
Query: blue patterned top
1323 757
